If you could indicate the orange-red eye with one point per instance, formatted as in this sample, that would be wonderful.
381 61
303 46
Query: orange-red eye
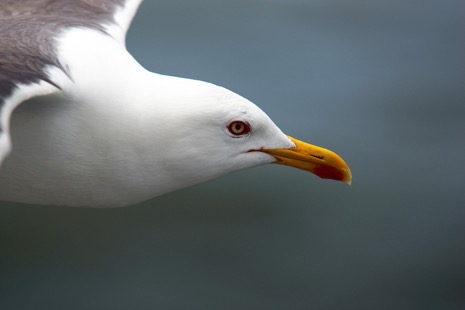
239 128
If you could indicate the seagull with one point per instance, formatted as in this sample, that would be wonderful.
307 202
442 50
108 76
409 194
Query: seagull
83 124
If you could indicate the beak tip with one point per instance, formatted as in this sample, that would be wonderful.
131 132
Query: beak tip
348 177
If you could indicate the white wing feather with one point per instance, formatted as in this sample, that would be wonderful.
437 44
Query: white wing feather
27 73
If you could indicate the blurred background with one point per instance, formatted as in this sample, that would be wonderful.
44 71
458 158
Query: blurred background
382 83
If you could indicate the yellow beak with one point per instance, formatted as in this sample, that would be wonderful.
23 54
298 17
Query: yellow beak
322 162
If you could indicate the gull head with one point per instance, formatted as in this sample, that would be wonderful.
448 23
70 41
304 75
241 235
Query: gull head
209 131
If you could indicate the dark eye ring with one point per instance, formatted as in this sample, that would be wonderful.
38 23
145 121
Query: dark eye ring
239 128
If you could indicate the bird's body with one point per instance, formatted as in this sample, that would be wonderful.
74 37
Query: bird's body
97 129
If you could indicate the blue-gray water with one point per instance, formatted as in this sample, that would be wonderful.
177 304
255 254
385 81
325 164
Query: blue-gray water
381 82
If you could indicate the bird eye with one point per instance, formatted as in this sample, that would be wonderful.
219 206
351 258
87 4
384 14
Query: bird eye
239 128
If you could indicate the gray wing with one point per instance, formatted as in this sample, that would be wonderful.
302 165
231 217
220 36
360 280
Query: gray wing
27 47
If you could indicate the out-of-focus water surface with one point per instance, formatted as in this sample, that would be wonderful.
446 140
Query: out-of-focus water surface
381 82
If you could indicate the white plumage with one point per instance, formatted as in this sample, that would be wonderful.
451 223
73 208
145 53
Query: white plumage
107 132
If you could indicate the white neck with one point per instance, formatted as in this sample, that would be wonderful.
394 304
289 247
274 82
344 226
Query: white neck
96 135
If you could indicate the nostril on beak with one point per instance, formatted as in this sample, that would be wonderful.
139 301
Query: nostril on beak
317 156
